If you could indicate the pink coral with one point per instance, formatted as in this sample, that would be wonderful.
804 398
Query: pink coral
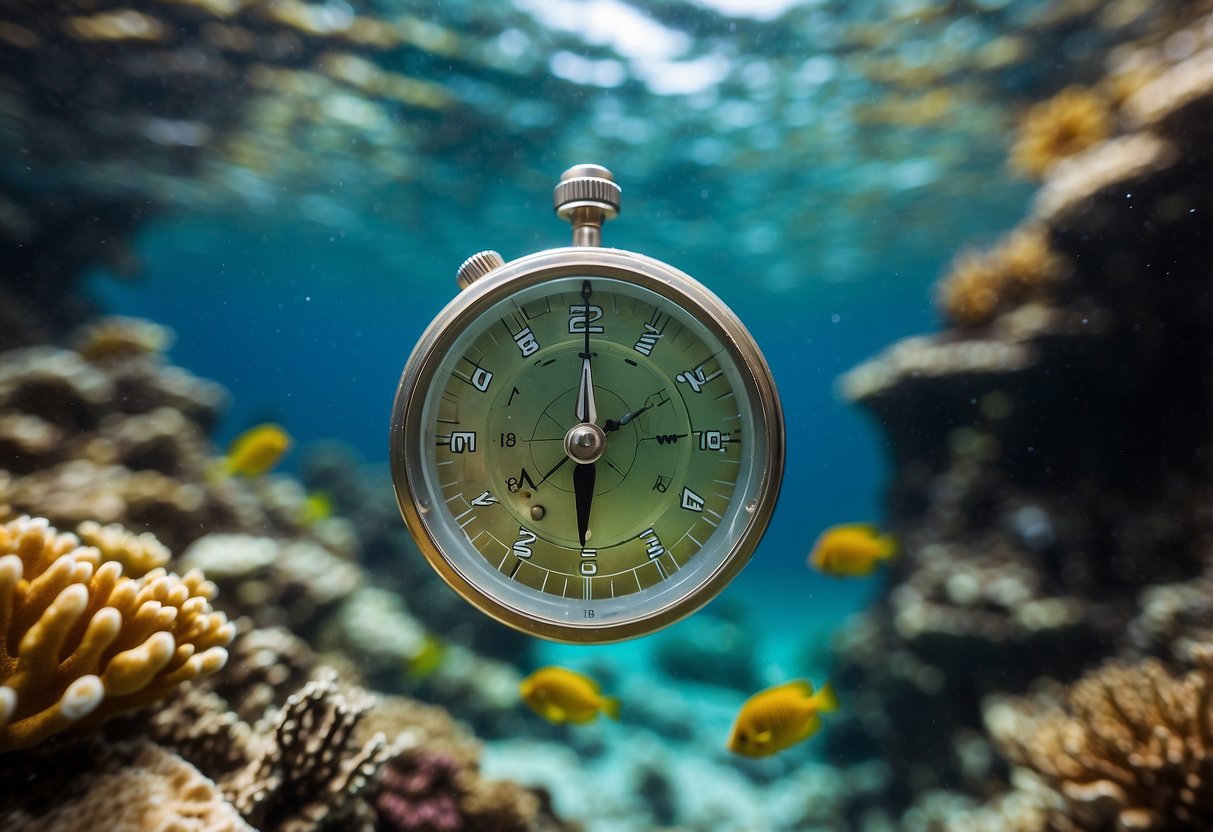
417 794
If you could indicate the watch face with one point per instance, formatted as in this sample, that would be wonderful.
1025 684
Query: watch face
574 532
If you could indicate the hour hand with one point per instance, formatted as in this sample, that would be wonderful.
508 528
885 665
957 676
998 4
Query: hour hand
611 424
583 493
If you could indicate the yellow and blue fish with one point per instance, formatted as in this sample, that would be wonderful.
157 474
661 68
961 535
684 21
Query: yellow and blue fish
780 717
851 550
256 451
561 695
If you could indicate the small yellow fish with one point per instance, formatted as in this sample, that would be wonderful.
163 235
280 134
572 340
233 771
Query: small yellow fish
561 695
317 506
257 450
428 659
779 717
851 550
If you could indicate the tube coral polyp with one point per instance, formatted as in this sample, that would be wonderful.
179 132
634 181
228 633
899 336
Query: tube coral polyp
79 641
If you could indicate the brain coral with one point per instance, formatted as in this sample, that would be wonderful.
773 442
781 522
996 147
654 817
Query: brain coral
79 640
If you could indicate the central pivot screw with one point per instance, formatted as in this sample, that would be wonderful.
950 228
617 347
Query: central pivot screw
584 443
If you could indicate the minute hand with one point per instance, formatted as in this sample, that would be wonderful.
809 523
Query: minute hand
586 411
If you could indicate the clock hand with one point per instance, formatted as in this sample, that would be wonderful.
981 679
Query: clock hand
611 424
583 491
552 470
585 410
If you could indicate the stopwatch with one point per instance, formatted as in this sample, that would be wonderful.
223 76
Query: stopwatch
586 443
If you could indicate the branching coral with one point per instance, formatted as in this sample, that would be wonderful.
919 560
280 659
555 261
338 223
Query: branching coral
1131 748
310 768
78 640
138 553
1064 125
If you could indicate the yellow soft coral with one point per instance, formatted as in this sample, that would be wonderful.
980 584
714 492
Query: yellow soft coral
982 285
1066 124
79 641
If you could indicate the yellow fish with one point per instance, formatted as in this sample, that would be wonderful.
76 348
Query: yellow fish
257 450
561 695
428 659
851 550
317 506
779 717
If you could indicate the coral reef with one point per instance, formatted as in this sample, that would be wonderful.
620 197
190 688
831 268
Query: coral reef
1129 747
82 642
1050 486
114 442
291 583
365 496
981 286
308 771
433 782
132 787
115 434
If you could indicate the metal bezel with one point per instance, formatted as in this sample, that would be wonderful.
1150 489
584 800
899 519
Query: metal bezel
406 447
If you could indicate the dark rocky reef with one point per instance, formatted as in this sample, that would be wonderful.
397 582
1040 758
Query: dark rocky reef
1053 461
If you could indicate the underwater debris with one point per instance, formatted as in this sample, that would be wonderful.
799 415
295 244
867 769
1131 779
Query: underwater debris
1128 745
144 634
